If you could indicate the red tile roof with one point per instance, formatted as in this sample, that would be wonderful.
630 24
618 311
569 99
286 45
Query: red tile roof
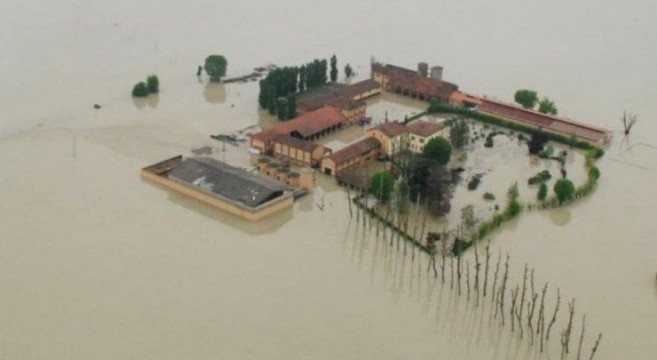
359 88
296 143
428 87
306 125
390 129
355 150
424 128
554 123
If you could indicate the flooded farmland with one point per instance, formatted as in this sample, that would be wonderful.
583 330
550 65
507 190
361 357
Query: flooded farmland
95 263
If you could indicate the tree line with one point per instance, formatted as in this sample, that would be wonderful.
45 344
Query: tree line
279 88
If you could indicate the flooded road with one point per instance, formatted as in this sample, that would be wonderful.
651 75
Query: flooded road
95 263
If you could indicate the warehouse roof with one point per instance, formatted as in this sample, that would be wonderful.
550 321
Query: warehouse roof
221 180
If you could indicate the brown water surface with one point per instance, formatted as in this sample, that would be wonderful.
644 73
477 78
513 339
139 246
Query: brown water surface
97 264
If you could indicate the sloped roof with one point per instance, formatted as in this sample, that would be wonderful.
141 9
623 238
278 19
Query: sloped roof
354 150
296 143
423 85
359 88
555 123
306 124
424 128
219 179
391 129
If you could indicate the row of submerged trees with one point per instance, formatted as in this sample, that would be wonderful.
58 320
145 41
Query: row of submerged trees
278 90
521 307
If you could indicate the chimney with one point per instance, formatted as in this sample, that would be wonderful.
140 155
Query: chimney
437 72
422 69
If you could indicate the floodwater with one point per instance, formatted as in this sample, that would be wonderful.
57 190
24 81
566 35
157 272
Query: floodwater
95 263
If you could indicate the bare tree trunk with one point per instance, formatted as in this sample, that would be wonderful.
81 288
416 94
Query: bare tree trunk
451 272
467 277
522 300
540 327
554 316
486 274
503 292
565 335
476 281
514 298
581 337
458 272
497 270
595 347
351 214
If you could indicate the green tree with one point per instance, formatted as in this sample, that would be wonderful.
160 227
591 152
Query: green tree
140 89
459 134
434 106
348 71
153 84
334 68
542 192
215 67
302 78
513 206
594 173
564 189
546 106
438 150
467 216
281 108
291 106
526 98
381 185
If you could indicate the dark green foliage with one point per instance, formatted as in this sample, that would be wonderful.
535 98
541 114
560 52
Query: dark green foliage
564 189
460 246
437 150
381 185
542 192
291 106
263 98
140 89
434 107
215 67
153 84
513 206
302 78
540 178
494 120
489 196
348 71
417 177
281 108
474 182
279 83
459 134
546 106
334 68
437 190
537 142
526 98
594 173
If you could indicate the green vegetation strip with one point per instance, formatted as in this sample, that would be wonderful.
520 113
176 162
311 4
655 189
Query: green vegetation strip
494 120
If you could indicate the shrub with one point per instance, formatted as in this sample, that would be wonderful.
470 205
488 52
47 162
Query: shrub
564 189
474 182
540 178
381 185
153 84
489 196
542 192
594 173
215 67
140 89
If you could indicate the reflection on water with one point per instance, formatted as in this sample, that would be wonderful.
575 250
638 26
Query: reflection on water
151 101
264 226
560 216
215 93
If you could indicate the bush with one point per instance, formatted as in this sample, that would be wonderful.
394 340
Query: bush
215 67
438 150
594 173
381 185
489 196
474 182
140 89
153 84
540 178
542 192
564 189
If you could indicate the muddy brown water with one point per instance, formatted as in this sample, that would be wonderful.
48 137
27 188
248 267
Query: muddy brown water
95 263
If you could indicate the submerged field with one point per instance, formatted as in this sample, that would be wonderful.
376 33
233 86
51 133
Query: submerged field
96 263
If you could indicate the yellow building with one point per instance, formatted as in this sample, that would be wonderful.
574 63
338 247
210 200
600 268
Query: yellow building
393 136
298 152
351 156
420 132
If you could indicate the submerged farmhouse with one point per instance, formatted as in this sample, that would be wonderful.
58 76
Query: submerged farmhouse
233 190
